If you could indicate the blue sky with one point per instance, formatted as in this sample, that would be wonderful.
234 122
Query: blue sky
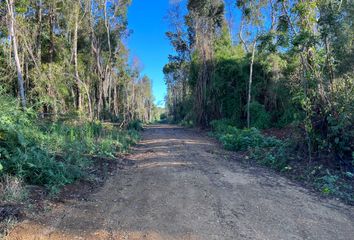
148 41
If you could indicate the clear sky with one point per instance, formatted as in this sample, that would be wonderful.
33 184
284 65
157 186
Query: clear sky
148 42
147 20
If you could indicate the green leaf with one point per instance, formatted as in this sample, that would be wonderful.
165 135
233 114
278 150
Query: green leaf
1 168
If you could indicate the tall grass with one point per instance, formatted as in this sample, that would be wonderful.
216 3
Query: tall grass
53 154
285 156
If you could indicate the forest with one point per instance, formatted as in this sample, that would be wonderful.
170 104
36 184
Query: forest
69 91
286 71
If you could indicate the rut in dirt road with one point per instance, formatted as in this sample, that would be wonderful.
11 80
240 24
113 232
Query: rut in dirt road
182 186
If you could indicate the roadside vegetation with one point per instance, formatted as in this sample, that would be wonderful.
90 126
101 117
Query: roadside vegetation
70 98
280 86
286 156
68 90
53 154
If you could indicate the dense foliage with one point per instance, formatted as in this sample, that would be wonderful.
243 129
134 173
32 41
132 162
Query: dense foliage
290 64
54 154
64 57
284 155
67 64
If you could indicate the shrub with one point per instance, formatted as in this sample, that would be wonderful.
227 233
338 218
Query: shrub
266 150
135 125
11 189
163 116
223 126
339 135
240 139
276 156
187 123
260 118
54 154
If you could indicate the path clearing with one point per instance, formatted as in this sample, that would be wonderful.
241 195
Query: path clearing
183 187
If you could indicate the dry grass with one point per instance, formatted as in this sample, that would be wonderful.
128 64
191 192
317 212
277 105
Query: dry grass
12 189
6 226
12 193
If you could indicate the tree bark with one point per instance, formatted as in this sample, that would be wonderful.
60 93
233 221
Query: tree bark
108 76
240 34
250 85
39 32
21 88
76 67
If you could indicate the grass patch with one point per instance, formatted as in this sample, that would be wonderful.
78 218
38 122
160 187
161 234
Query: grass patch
54 154
12 189
284 156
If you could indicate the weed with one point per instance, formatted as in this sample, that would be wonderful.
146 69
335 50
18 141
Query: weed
6 226
279 155
55 154
187 123
12 189
135 125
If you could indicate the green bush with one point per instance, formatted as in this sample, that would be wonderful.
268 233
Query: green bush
135 125
22 151
276 156
223 126
54 154
266 150
163 116
339 135
187 123
240 139
260 118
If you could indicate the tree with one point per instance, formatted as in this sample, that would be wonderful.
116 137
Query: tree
204 20
13 37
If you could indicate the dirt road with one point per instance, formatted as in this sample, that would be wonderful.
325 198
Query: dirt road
183 186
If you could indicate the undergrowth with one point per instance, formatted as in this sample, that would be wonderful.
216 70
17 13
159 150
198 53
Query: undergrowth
53 154
283 156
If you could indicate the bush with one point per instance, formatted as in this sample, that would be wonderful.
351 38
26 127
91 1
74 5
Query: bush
11 189
276 156
266 150
339 134
54 154
135 125
240 139
260 118
163 116
187 123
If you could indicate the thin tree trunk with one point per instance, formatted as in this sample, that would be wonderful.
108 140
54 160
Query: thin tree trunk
106 20
51 57
21 88
240 34
115 101
250 85
76 67
39 32
108 76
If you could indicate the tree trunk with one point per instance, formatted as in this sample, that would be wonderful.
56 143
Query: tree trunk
21 88
76 67
51 57
39 32
108 76
250 86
